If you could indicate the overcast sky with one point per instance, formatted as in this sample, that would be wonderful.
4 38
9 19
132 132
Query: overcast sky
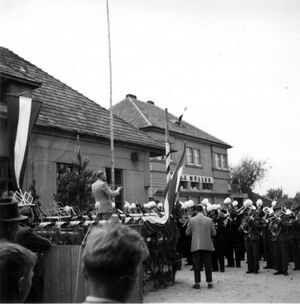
234 64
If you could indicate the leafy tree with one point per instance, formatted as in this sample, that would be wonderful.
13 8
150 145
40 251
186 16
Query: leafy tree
74 186
297 197
246 174
276 194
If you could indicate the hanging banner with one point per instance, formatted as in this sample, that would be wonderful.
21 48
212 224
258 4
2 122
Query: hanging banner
22 113
155 223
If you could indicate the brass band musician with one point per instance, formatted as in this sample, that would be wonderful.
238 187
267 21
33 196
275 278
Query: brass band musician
251 227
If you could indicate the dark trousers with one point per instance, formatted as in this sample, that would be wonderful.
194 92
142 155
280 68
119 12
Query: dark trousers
189 254
295 251
218 257
239 253
268 251
201 257
261 248
276 255
229 255
252 248
283 256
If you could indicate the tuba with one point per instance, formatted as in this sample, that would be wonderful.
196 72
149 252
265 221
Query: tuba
224 215
267 211
275 225
246 224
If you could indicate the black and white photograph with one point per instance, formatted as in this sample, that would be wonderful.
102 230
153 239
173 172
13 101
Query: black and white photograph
149 151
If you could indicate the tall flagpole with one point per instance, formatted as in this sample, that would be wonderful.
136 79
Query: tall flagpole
168 152
110 103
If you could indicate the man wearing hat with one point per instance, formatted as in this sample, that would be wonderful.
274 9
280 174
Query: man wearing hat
9 219
26 237
14 227
103 195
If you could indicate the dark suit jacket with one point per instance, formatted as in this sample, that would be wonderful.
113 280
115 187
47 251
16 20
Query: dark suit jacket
202 229
31 240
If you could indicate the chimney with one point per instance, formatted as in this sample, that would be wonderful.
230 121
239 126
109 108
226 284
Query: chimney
131 96
150 102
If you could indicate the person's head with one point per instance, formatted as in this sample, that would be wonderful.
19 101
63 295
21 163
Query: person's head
199 208
250 211
9 219
27 211
16 271
111 260
101 175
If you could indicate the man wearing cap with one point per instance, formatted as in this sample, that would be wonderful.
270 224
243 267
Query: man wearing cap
103 195
296 240
250 225
283 254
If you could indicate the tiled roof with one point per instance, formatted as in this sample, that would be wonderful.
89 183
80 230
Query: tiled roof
66 109
143 115
19 73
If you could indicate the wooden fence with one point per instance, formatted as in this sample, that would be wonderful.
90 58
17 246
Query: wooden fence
60 274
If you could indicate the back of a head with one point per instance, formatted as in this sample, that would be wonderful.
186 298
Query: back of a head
199 208
15 263
100 174
112 256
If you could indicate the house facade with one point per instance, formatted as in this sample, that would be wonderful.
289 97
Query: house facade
66 120
206 173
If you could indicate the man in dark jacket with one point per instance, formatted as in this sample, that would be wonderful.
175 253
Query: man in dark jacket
295 238
26 237
219 241
283 240
250 226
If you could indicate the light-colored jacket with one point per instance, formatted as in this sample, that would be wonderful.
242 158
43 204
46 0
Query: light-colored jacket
202 229
103 194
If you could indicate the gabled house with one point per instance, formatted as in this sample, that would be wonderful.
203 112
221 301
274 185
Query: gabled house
67 118
206 172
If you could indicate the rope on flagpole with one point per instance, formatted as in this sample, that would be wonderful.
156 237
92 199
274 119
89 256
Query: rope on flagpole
110 102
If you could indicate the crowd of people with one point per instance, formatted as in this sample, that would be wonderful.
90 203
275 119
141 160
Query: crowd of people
111 259
210 234
268 233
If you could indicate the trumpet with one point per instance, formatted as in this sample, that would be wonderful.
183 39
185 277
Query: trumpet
241 210
280 213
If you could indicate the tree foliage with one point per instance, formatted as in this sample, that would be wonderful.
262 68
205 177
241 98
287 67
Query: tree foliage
297 198
74 184
276 194
247 174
